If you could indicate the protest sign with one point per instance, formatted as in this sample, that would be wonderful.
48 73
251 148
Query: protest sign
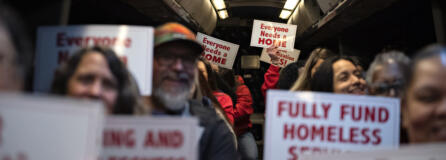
35 128
285 57
407 152
218 51
145 138
310 122
133 44
265 34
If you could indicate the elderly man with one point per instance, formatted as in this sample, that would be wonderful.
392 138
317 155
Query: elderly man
174 69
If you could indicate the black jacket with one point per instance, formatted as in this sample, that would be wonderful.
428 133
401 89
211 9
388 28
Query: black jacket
216 142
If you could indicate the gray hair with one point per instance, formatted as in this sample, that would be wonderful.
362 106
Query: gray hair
386 58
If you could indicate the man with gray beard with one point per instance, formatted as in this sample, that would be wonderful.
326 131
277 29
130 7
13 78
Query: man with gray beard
174 68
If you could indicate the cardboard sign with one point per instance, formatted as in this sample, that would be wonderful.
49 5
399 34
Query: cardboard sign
133 44
410 152
138 138
285 57
35 128
265 34
218 51
300 123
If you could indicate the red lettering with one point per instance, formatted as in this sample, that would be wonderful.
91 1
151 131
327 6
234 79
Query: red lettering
164 139
326 107
302 128
343 111
375 134
356 116
354 135
292 151
317 132
341 135
369 114
281 108
365 135
288 131
118 138
331 134
383 118
62 56
60 39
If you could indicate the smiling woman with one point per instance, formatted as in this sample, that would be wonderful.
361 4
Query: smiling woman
424 104
339 75
97 73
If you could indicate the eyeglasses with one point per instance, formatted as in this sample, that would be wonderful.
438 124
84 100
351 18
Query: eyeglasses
169 60
384 88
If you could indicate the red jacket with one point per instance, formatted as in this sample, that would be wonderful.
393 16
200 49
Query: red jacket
226 103
271 79
243 108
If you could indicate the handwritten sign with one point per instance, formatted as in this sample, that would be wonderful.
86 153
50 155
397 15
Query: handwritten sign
135 138
49 128
265 34
133 44
285 57
218 51
306 123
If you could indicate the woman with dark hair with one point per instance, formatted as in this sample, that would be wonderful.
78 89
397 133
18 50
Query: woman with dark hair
339 74
242 112
224 99
316 58
424 102
97 73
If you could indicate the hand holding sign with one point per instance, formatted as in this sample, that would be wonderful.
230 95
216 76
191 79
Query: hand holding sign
272 53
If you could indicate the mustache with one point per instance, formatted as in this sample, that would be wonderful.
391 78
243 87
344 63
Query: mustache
182 77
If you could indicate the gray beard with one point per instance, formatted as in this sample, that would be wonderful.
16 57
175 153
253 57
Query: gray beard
171 102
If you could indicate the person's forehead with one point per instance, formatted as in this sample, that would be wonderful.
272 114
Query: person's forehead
94 61
387 72
430 69
342 64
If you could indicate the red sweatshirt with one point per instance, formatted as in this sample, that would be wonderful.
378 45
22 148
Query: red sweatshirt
226 103
271 79
243 108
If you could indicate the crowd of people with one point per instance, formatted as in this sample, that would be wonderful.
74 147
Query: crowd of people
188 86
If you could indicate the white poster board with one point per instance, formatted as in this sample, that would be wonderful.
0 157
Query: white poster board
40 128
285 57
161 138
407 152
218 51
265 34
133 44
300 123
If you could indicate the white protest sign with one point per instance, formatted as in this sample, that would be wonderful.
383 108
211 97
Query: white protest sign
218 51
265 34
35 128
285 57
160 138
407 152
300 123
133 44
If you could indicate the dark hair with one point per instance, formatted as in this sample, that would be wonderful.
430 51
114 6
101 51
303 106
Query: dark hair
127 96
303 82
289 75
427 52
322 80
13 26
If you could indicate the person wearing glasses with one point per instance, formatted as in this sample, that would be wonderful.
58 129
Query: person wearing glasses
387 74
174 70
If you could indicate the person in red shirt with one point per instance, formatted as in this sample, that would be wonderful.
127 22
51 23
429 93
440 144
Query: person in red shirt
242 112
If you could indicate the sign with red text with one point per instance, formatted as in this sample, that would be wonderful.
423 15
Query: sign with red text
218 51
285 57
265 34
424 151
160 138
36 127
299 123
133 44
